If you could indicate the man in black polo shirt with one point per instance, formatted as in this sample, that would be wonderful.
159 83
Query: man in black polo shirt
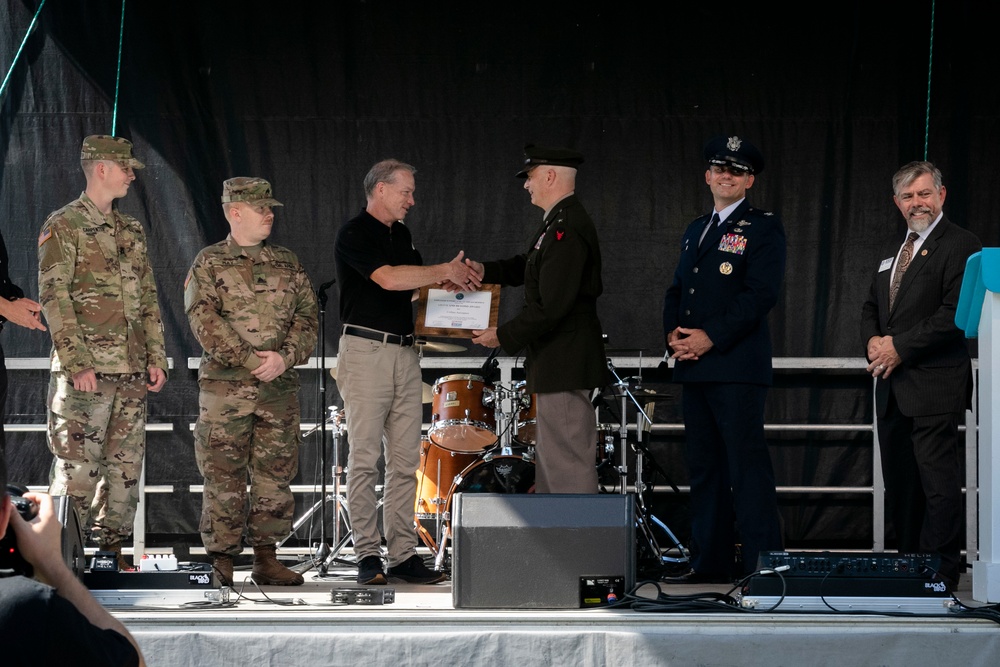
378 370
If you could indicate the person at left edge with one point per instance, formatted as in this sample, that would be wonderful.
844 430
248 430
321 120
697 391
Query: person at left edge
51 618
16 309
252 308
98 296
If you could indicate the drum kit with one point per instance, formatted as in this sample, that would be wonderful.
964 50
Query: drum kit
481 439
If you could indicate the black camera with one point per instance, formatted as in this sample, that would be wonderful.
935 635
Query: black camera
10 557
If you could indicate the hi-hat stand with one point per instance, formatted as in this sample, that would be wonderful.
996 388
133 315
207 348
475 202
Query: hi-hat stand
645 519
324 555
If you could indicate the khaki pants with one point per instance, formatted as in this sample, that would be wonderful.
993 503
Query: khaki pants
565 454
381 388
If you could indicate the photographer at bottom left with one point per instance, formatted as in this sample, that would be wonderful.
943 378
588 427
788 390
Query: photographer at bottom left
52 619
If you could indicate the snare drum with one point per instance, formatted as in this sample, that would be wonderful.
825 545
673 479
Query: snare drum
463 419
527 418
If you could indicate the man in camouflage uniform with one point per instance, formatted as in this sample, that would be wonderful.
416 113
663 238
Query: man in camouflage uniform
253 310
96 287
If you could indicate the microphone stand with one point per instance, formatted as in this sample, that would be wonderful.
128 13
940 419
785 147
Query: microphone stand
321 298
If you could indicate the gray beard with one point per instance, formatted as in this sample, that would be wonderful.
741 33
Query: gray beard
919 227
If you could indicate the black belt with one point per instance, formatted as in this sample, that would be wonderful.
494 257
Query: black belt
388 338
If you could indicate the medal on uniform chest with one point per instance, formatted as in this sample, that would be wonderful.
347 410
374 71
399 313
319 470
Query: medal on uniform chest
725 268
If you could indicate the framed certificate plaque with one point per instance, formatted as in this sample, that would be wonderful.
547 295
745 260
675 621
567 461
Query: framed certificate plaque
456 314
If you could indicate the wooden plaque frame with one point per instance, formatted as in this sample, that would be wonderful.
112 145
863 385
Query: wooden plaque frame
423 330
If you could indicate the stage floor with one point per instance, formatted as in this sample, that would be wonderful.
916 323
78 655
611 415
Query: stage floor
303 626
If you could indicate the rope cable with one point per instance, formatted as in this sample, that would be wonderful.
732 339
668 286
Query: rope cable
17 56
118 72
930 67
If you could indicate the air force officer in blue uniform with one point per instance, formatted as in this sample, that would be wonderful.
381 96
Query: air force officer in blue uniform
730 271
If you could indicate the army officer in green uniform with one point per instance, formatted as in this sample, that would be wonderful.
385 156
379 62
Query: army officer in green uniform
558 326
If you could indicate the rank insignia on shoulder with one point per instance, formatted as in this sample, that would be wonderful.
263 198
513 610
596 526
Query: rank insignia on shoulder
44 236
725 268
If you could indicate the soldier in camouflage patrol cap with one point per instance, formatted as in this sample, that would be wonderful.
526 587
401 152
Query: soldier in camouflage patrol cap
252 308
98 296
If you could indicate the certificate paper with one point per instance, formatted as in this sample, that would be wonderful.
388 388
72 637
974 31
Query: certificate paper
456 314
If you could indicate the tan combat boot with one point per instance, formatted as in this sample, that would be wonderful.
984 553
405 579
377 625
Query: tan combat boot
123 565
223 566
268 571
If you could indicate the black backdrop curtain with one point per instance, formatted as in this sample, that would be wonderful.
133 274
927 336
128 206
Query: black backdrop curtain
309 95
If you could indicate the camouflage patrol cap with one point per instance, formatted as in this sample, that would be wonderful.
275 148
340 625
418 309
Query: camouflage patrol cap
106 147
249 190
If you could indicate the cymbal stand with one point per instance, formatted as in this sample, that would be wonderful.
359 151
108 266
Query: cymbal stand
623 422
643 513
337 498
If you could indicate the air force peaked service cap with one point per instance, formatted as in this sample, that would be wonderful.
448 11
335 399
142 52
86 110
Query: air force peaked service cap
734 152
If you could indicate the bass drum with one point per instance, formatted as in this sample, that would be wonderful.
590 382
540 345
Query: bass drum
498 474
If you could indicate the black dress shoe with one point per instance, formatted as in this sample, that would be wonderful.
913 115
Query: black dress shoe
692 577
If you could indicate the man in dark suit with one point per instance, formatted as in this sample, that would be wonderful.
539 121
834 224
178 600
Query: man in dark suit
921 360
730 271
559 327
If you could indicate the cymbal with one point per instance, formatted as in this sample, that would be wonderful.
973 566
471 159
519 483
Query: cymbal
437 346
426 390
615 390
649 393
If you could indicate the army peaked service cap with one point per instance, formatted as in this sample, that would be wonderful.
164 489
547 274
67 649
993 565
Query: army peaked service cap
536 155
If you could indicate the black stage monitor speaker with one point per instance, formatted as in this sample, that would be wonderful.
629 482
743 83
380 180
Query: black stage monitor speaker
544 551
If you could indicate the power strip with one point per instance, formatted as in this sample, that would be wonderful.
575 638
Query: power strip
158 563
363 596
